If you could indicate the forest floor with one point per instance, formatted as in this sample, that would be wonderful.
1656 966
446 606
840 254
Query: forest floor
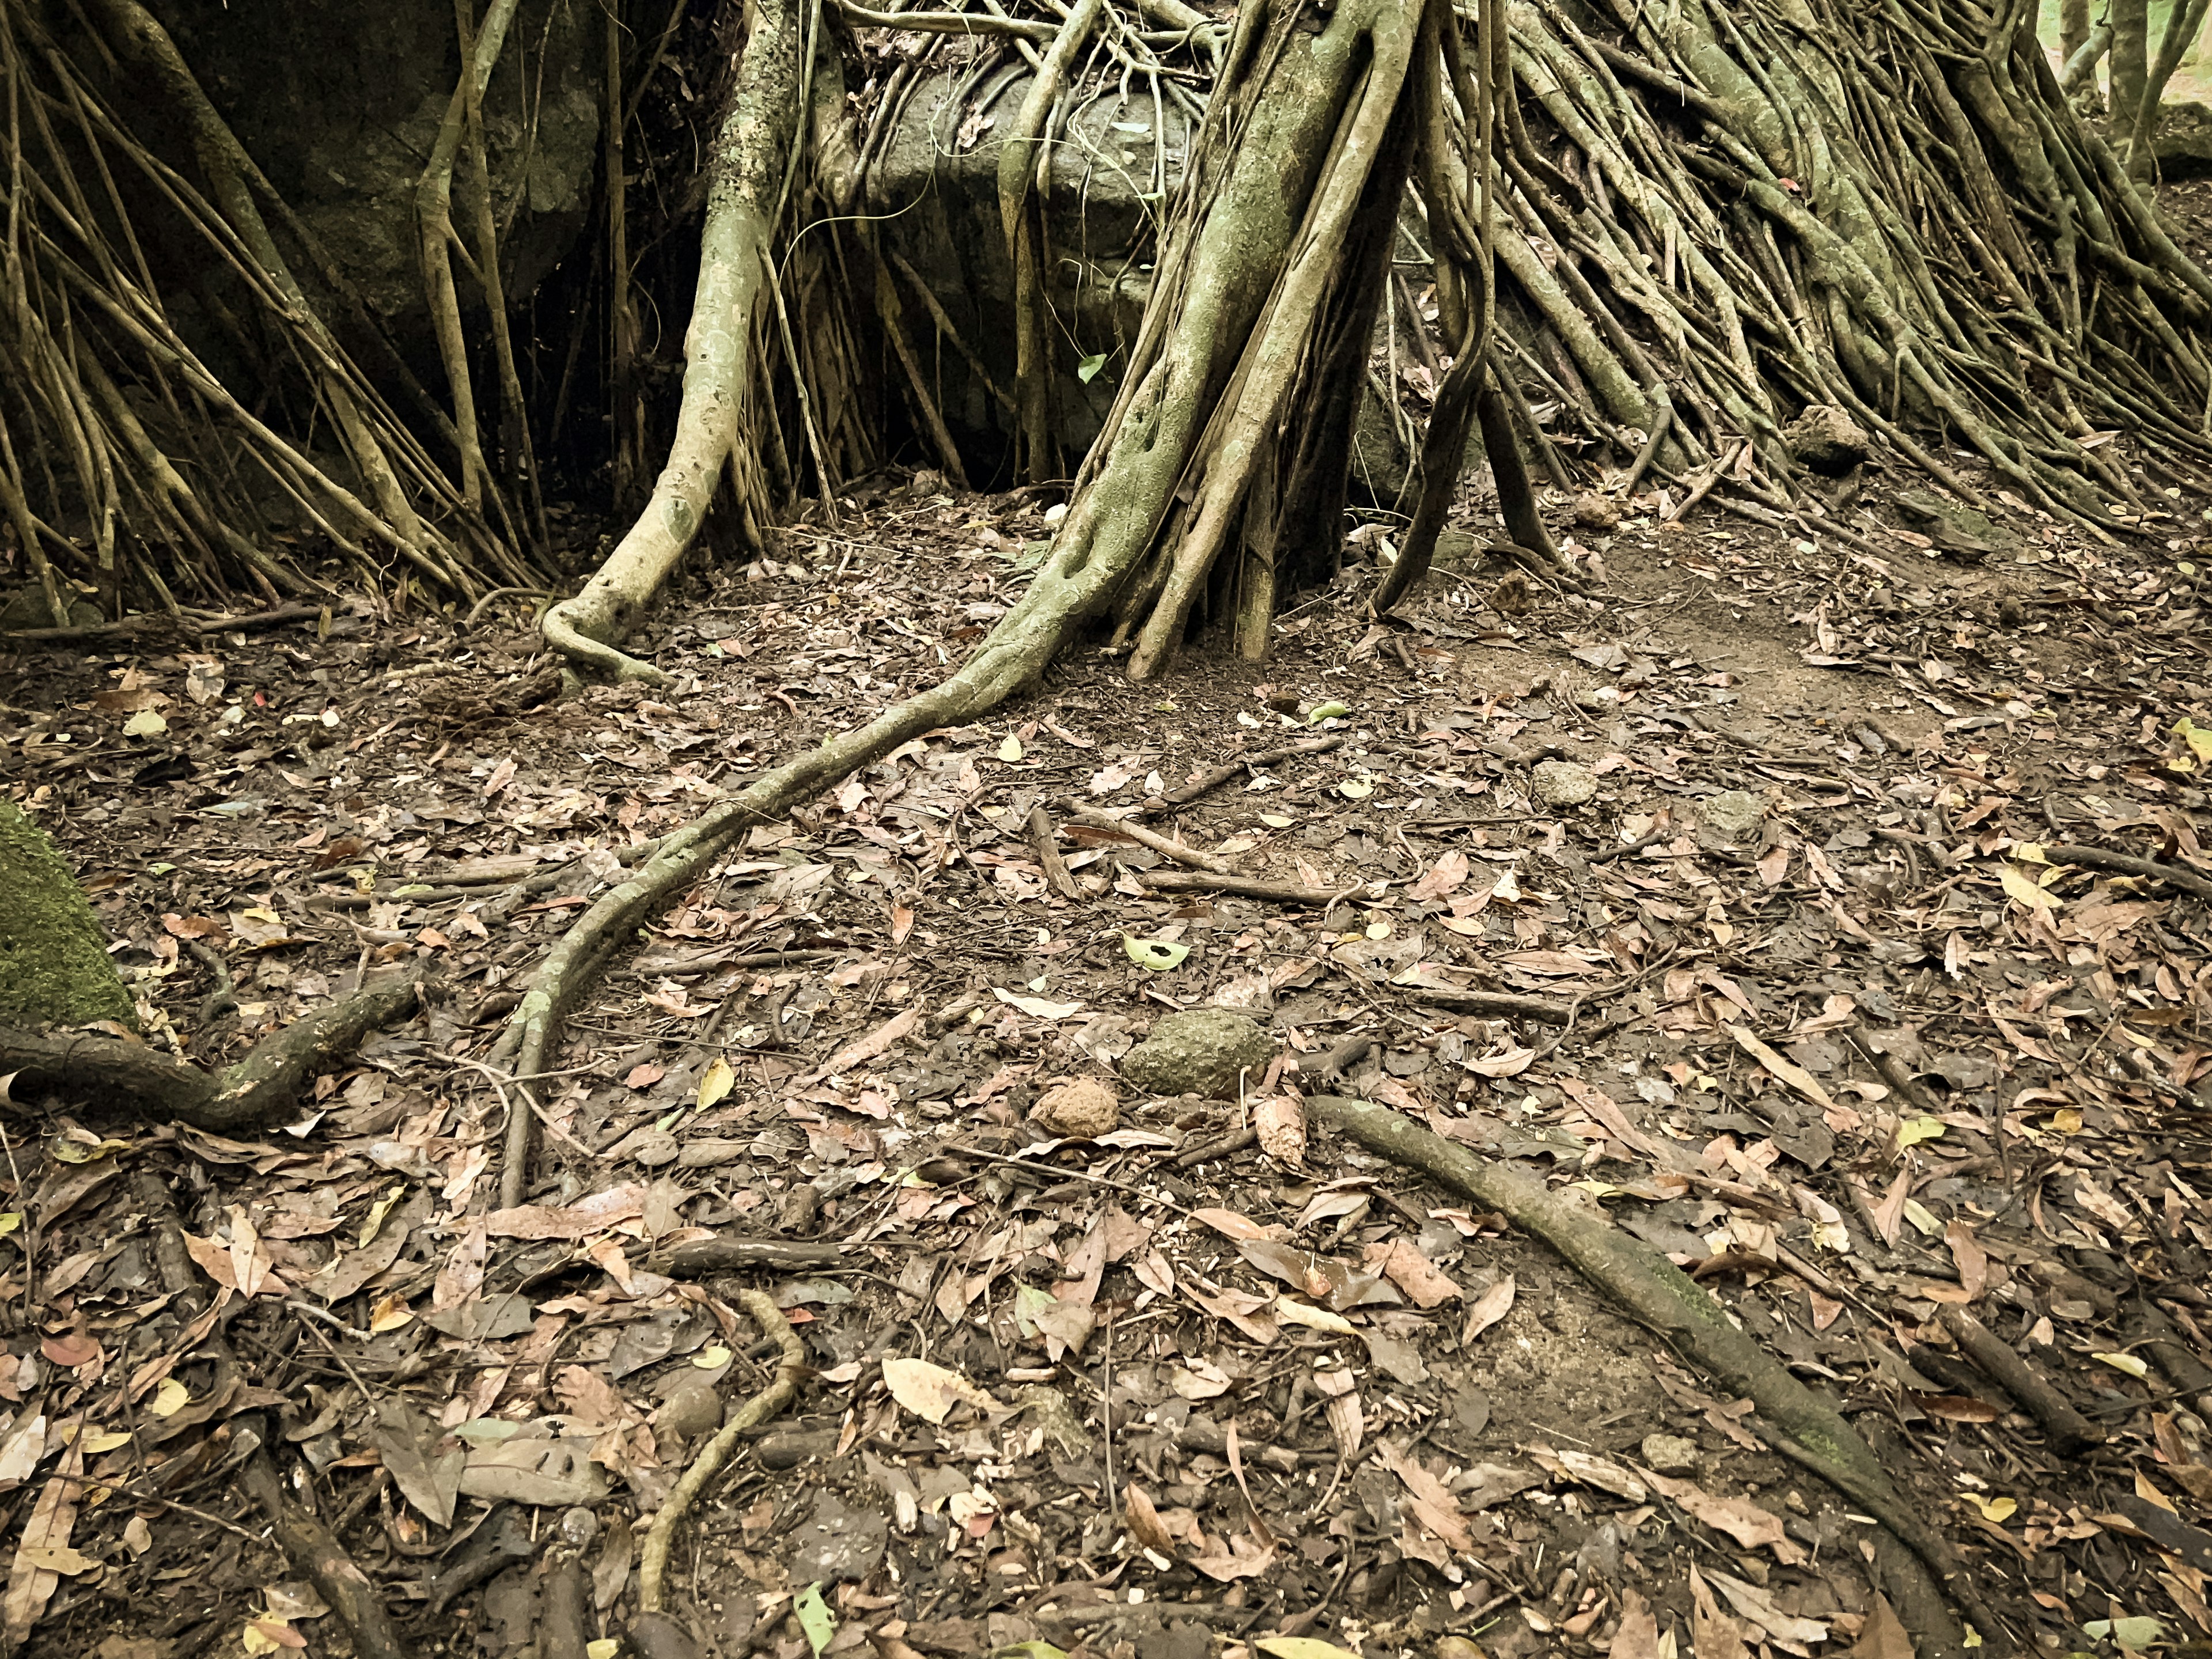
1846 1031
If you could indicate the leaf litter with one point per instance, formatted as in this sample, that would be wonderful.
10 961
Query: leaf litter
1818 996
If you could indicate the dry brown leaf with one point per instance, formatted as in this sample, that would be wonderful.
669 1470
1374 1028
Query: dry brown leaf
1145 1521
1489 1308
1740 1519
595 1214
1233 1557
1639 1635
30 1584
1412 1273
1229 1224
886 1037
1795 1075
1712 1632
1884 1636
1973 1263
1279 1121
1430 1501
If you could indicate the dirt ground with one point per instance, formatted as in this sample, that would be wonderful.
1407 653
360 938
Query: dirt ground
1849 1031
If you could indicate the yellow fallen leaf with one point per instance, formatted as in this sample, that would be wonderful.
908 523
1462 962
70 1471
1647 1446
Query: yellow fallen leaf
389 1314
1010 750
2123 1361
604 1648
2023 889
104 1440
928 1390
374 1219
708 1359
144 724
170 1398
719 1080
1993 1509
1913 1130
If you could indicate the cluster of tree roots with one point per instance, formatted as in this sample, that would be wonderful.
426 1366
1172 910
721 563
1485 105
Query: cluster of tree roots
1659 231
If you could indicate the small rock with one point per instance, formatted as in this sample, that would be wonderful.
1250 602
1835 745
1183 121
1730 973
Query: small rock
1733 814
1827 440
690 1409
1564 783
1510 596
1084 1109
1670 1455
1595 510
1200 1051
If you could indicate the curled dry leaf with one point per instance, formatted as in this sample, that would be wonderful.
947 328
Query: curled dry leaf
1144 1520
1413 1272
1489 1308
931 1391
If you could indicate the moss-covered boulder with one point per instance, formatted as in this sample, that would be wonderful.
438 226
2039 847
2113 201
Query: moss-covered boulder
1199 1052
54 966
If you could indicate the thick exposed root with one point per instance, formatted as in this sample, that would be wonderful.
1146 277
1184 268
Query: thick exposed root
1648 1288
735 299
256 1091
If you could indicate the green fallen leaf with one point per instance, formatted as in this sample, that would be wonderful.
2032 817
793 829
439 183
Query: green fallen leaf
1914 1130
815 1618
2198 738
1087 370
1315 716
2137 1632
2133 1367
1158 954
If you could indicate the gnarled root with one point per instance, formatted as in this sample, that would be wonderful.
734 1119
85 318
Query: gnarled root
1656 1293
260 1087
652 1559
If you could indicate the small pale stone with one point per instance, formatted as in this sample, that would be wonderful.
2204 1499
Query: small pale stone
1827 440
692 1409
1733 814
1670 1455
1564 783
1595 510
1085 1109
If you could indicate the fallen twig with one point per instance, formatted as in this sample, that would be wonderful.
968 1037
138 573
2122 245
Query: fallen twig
1281 892
2127 864
1228 768
1509 1004
652 1559
2071 1433
1092 817
1049 859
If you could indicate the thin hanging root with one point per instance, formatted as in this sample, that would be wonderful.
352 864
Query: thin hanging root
1652 1291
727 315
653 1558
1036 458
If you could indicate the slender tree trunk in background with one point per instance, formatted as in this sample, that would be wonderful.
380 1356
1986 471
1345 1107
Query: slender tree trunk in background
2130 67
2073 26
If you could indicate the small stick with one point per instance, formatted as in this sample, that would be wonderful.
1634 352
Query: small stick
1627 846
1213 1149
1705 483
1281 892
1508 1003
652 1559
2127 864
1228 769
1106 1419
1049 859
1160 844
2071 1433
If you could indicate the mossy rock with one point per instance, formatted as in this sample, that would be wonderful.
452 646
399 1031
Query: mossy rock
54 966
1199 1052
